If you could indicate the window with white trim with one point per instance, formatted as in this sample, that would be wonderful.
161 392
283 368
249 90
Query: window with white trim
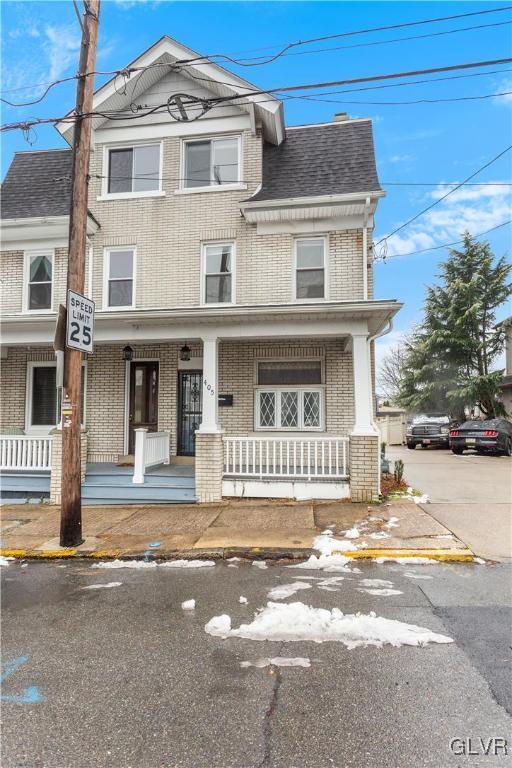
211 162
43 400
39 271
310 268
133 169
218 267
287 398
119 282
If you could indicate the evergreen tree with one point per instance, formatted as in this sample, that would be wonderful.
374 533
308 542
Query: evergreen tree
450 356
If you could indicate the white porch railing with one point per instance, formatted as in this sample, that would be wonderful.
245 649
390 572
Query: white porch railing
305 458
24 452
151 449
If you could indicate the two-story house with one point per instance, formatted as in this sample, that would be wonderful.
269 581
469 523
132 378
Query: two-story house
230 259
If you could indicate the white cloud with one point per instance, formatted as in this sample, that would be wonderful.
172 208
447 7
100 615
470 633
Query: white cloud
61 48
504 86
401 158
472 209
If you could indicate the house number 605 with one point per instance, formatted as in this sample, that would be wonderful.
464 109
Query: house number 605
209 387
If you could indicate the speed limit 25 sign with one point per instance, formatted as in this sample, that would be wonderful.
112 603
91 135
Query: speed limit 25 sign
80 322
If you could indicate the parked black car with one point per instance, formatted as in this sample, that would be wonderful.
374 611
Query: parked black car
429 429
492 436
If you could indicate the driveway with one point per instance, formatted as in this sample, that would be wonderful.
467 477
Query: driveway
469 494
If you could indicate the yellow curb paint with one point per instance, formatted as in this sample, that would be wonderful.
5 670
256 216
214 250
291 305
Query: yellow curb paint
18 553
108 553
53 554
446 555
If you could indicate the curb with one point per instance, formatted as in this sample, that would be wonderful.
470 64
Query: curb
254 553
443 555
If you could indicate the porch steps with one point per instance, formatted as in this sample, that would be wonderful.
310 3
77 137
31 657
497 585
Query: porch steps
108 484
24 486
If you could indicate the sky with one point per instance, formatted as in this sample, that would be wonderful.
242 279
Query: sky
430 143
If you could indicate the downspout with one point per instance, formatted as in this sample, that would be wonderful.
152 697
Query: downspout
384 332
366 213
89 271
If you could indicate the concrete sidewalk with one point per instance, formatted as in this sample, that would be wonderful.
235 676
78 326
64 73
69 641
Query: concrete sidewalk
244 528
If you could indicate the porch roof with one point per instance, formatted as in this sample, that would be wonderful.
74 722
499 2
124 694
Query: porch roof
240 321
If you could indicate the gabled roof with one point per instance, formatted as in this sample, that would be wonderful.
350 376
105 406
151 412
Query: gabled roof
37 184
119 94
317 160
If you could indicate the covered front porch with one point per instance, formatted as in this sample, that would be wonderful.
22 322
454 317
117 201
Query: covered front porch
267 402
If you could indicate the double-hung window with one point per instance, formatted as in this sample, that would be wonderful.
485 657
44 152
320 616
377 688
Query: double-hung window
218 268
290 396
310 281
43 401
211 162
39 270
119 289
134 170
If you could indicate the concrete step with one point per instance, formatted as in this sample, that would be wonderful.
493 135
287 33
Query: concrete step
136 494
150 480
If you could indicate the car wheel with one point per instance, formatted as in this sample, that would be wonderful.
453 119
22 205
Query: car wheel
412 446
508 448
458 451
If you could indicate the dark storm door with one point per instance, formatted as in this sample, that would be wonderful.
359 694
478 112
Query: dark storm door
143 399
190 392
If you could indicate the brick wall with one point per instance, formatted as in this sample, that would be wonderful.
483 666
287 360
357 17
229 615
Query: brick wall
364 467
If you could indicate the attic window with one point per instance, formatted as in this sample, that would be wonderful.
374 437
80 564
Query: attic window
134 169
212 162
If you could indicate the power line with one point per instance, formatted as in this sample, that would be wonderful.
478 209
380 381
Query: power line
445 184
283 52
440 199
26 125
445 245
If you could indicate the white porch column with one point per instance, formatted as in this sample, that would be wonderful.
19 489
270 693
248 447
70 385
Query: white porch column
363 390
209 421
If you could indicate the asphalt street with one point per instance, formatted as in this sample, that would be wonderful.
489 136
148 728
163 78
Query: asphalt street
469 494
123 677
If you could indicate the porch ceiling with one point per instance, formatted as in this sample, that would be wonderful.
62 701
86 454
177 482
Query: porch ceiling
260 321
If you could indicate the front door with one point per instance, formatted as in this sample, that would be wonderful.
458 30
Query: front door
143 399
190 391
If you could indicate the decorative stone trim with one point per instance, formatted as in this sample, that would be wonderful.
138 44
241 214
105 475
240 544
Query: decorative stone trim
209 466
364 467
56 470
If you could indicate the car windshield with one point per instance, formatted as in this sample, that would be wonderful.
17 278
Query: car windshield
438 418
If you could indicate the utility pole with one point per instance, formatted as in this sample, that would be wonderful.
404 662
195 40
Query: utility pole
71 504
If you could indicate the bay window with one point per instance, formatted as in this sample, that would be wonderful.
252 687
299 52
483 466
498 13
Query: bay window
310 268
211 162
290 396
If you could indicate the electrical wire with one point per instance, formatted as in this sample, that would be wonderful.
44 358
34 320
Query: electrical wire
440 199
445 245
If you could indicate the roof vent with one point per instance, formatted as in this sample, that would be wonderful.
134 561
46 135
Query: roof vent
340 117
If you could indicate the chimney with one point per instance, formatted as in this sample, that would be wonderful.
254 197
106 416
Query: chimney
340 117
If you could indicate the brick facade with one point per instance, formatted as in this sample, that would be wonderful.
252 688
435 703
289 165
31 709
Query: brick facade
209 466
364 467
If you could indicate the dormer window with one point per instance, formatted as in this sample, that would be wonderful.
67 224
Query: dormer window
211 162
134 170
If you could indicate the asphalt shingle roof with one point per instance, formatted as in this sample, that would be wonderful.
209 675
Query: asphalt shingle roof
30 187
333 159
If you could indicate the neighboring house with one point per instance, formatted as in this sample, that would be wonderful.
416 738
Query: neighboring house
392 424
230 260
506 383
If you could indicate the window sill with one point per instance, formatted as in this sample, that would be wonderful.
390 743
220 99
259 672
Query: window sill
310 301
211 188
131 195
216 305
36 312
122 308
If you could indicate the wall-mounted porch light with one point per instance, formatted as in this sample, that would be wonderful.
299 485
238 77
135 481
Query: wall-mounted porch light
185 353
128 354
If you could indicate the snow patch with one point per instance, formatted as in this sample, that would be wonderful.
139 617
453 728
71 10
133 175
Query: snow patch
384 592
324 563
108 585
188 605
392 522
352 533
417 575
243 600
4 561
379 535
278 661
287 590
261 564
326 545
290 622
376 583
187 564
479 560
233 560
404 560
